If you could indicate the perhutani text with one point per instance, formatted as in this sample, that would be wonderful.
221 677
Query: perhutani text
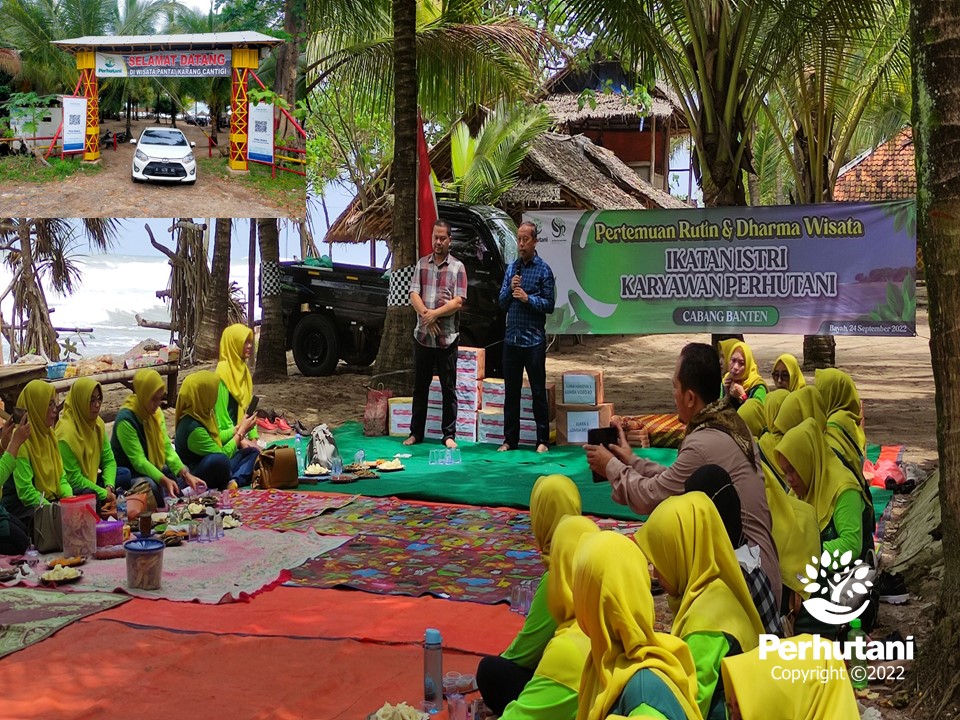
817 648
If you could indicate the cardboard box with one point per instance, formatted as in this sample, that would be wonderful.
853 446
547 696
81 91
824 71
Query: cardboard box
466 429
470 363
582 387
493 395
573 421
467 391
399 413
490 428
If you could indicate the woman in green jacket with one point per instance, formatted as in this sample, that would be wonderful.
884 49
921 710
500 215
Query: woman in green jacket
14 537
233 398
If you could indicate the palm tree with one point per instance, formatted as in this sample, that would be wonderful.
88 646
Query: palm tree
217 300
936 129
40 249
271 351
442 56
722 60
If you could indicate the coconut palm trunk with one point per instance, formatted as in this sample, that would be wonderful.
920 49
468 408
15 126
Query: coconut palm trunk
217 299
395 353
271 352
936 134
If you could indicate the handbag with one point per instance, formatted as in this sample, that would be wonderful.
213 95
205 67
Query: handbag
276 467
140 500
47 530
323 448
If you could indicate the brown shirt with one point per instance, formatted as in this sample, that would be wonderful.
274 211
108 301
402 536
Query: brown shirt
644 484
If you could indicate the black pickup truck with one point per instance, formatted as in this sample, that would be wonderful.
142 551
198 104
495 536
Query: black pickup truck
337 313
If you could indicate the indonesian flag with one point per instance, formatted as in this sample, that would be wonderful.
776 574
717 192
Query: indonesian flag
426 199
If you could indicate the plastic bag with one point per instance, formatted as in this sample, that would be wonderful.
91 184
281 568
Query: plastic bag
322 448
376 412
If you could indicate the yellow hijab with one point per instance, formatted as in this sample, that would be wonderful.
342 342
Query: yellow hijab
826 478
752 413
614 607
797 407
794 528
41 447
751 377
726 348
565 655
797 380
685 540
146 382
232 369
76 429
841 402
552 498
771 437
198 399
762 696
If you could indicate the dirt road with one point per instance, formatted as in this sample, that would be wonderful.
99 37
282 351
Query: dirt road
111 192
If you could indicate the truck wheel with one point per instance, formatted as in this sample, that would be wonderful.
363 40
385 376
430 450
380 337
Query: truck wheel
316 348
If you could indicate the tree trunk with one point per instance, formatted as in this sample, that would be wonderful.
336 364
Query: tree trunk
288 54
395 351
936 136
214 319
819 351
272 351
30 302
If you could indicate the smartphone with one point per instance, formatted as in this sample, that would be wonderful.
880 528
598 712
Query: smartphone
606 436
252 407
17 415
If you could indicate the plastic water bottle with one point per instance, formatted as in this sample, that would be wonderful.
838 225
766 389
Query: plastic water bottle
857 665
298 445
121 506
33 558
433 669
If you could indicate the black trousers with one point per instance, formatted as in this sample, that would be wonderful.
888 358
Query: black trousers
425 359
500 681
16 541
534 361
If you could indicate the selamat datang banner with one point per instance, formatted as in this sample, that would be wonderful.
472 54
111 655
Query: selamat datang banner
165 64
835 268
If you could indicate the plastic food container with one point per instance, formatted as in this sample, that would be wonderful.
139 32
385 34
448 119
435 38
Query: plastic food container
144 563
109 532
55 371
78 518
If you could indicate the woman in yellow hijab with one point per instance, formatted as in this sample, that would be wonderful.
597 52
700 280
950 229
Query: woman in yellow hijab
553 691
633 670
752 413
140 441
841 403
38 476
87 456
714 614
778 689
797 407
743 378
197 436
787 374
501 678
818 477
236 388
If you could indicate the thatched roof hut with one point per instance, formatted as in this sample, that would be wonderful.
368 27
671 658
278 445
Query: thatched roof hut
560 171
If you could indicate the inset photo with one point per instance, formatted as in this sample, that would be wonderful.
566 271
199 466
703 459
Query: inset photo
171 123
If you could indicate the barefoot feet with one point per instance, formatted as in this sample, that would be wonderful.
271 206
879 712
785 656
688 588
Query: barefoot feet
504 447
411 441
541 448
450 443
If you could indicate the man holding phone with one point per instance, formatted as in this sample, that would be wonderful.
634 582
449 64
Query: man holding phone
528 295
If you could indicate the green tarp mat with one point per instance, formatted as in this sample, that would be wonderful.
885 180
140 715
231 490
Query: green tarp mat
486 477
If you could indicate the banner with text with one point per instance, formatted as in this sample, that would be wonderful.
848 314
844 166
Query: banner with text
837 269
260 137
165 64
74 123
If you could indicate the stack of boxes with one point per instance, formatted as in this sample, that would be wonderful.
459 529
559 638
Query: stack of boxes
479 405
582 407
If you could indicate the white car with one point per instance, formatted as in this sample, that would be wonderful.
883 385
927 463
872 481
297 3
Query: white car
165 155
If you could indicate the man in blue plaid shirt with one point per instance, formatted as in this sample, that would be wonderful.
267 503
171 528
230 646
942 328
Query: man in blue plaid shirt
527 294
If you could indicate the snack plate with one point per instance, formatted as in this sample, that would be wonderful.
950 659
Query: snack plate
373 716
396 469
343 479
68 562
67 581
8 574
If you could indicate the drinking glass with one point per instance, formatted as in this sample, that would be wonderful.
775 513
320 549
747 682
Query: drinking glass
448 456
456 456
434 456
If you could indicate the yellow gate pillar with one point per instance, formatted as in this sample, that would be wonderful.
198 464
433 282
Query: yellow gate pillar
87 66
244 60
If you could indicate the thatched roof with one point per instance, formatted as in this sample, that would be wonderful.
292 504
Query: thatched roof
565 108
560 171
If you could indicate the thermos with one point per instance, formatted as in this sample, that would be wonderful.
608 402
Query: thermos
433 669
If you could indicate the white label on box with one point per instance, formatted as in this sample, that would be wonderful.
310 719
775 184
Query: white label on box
578 423
579 390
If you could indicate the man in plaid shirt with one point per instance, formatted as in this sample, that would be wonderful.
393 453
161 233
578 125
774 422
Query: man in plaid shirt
527 294
437 291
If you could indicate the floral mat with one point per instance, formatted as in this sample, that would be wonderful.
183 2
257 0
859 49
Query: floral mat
233 568
28 615
281 509
405 548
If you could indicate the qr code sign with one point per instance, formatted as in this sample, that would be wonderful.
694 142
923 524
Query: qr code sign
260 126
73 119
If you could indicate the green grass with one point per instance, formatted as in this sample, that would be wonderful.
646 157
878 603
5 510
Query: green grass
22 169
285 189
